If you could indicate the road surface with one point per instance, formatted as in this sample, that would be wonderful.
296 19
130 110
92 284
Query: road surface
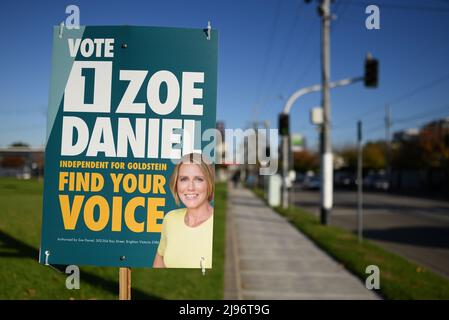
417 229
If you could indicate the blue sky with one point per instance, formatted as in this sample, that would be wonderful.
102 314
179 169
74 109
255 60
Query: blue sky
267 50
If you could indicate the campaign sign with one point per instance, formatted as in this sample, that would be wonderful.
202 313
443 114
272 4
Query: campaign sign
125 103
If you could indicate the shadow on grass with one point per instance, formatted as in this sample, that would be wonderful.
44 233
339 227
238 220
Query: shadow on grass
426 236
13 248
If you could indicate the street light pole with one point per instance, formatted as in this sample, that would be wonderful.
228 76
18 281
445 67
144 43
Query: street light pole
326 155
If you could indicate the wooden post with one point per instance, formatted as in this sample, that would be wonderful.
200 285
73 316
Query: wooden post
125 284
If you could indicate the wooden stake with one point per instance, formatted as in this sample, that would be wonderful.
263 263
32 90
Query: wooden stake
125 284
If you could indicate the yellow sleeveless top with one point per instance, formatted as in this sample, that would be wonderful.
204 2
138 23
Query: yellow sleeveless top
183 246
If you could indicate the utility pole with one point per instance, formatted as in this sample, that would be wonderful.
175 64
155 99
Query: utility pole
326 155
388 142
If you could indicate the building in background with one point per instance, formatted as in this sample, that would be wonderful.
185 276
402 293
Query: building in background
21 162
406 135
421 158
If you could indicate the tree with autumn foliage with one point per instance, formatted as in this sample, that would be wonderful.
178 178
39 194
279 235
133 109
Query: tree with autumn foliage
429 150
434 145
304 161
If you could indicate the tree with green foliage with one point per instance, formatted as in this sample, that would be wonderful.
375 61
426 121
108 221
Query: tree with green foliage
373 156
19 144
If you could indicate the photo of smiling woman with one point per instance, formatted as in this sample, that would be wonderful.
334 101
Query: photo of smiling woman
186 238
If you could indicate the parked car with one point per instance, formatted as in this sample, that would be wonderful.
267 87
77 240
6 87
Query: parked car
376 181
344 180
381 183
312 183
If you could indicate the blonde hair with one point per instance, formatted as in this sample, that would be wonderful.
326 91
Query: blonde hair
206 168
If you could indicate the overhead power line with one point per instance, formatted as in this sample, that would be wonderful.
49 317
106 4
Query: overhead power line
405 96
421 115
439 9
286 49
305 67
266 59
419 89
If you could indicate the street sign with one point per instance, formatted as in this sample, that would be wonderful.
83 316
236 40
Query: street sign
297 142
316 116
125 104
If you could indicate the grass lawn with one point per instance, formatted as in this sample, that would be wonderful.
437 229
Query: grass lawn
22 277
399 278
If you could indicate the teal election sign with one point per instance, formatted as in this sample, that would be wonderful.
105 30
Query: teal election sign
127 105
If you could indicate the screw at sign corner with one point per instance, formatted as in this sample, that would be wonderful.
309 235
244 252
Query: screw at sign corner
203 269
47 254
209 27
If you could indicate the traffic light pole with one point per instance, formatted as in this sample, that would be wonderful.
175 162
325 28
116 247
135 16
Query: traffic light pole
326 155
285 164
359 182
285 138
315 88
388 142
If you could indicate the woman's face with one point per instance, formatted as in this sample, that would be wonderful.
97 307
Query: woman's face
191 185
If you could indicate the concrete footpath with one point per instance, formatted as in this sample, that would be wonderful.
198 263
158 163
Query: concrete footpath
267 258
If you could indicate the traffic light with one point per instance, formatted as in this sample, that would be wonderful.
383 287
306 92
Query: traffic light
371 72
284 127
